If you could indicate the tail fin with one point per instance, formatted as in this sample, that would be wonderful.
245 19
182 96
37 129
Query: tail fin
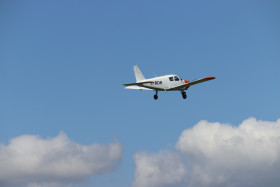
138 74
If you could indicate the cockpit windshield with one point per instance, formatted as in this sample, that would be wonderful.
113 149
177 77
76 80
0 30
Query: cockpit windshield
176 78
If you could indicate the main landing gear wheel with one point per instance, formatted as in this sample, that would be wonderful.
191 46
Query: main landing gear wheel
184 95
156 95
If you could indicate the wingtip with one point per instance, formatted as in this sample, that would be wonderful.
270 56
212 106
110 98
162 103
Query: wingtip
210 77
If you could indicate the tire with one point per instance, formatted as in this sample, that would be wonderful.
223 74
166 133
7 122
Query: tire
155 97
184 95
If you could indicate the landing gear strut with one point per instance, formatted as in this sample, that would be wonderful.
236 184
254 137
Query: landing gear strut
156 95
184 95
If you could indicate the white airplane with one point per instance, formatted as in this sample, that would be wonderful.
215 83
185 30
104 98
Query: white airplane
163 83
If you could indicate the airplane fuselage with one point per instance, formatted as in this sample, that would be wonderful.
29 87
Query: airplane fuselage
164 83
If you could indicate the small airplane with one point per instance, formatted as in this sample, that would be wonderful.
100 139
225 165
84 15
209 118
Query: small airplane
163 83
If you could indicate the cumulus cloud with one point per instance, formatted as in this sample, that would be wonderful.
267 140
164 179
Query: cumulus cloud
215 154
31 161
162 169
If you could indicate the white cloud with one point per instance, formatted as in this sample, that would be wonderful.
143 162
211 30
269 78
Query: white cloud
164 168
31 161
218 154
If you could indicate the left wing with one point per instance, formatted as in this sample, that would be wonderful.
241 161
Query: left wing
193 83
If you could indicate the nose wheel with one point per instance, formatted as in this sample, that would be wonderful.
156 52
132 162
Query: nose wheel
156 95
184 95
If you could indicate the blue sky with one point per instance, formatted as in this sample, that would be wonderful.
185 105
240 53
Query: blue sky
63 63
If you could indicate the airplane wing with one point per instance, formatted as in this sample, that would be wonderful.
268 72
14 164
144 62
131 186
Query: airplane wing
137 88
138 83
200 81
193 83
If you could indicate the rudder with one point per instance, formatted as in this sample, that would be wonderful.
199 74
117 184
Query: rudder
138 74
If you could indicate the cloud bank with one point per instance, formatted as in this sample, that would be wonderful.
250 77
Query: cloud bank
162 169
215 154
31 161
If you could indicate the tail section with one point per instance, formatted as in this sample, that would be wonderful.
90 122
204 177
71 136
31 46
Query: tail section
138 74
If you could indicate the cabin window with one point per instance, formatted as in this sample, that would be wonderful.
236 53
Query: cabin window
176 78
171 78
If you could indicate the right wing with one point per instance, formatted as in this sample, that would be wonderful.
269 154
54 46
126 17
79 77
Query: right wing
192 83
200 80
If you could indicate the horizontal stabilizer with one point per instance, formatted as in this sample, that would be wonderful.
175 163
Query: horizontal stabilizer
136 88
138 83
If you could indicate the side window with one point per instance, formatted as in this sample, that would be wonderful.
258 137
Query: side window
171 78
176 78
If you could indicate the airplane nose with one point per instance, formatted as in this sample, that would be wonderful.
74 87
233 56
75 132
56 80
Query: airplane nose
186 81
